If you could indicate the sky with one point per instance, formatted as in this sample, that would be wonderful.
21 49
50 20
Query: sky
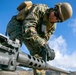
63 41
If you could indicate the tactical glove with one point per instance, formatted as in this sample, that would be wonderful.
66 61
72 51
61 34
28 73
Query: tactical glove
46 53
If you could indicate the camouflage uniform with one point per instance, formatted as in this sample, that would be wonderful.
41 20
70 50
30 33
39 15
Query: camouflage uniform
29 30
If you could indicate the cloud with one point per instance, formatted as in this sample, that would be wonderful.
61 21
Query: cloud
62 59
72 24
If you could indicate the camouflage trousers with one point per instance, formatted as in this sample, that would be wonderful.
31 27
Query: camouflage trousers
25 34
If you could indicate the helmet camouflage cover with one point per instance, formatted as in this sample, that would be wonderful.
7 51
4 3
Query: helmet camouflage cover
65 10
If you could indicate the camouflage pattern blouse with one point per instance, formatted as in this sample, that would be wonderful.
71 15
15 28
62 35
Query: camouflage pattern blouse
37 17
29 31
32 27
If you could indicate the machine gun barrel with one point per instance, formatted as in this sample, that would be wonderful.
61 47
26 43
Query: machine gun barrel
33 62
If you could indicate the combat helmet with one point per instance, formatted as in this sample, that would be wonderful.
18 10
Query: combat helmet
64 10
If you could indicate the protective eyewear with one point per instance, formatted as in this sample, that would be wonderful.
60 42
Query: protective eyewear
57 16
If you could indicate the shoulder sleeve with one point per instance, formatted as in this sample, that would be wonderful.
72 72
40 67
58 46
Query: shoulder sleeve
34 16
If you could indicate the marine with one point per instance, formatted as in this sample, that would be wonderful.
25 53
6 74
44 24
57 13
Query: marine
35 24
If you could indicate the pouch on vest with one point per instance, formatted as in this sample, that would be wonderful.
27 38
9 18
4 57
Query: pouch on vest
23 9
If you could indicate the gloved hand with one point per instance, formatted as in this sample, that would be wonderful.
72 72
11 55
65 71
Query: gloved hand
46 53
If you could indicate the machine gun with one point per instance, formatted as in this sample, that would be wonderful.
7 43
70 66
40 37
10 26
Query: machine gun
11 57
